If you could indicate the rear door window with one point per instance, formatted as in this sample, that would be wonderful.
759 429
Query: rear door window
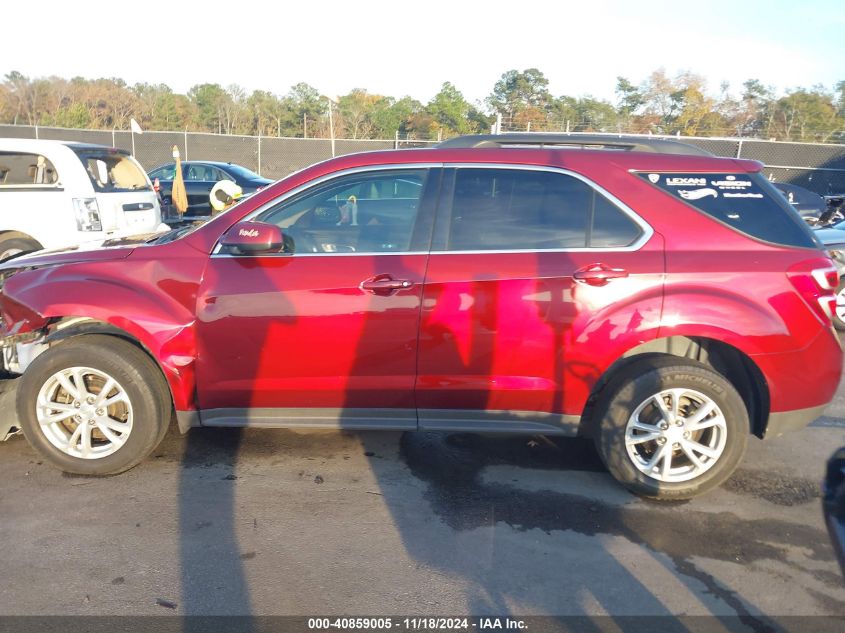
197 172
747 203
217 175
22 170
521 209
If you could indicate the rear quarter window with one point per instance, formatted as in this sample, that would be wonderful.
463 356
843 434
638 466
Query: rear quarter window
747 203
19 169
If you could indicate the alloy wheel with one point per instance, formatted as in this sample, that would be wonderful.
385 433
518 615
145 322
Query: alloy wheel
84 412
676 435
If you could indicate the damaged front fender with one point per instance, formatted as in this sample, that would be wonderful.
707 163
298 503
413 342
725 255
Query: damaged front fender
149 300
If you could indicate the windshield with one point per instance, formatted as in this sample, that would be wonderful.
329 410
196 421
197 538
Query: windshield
181 231
243 172
111 171
175 234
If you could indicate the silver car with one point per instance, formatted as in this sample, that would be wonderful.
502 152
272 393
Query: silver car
833 238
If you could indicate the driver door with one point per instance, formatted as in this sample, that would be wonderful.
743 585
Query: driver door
324 333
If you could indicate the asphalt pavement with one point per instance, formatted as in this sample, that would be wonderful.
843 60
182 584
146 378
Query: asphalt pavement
280 522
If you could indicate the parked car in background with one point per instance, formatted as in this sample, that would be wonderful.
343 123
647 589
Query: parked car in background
833 504
55 194
835 212
665 302
809 204
200 178
833 238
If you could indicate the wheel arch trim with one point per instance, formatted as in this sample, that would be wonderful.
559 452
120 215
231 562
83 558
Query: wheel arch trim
736 365
72 327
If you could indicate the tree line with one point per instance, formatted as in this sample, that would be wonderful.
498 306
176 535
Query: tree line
520 100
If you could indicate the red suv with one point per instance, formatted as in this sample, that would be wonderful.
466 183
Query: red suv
665 302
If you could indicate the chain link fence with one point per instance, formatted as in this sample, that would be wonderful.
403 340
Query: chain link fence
815 166
271 157
818 167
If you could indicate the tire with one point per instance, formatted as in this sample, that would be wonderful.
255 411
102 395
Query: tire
17 244
137 419
839 311
631 453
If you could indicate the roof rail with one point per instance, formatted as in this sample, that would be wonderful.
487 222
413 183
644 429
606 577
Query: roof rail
576 140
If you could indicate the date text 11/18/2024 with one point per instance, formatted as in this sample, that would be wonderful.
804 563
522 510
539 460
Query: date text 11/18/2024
418 623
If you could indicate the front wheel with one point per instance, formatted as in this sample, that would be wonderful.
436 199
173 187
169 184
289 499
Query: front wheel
93 405
671 429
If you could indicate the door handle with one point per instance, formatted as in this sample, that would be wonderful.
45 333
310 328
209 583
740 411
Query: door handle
384 284
598 274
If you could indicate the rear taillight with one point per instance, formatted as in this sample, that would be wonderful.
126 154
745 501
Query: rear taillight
87 214
816 282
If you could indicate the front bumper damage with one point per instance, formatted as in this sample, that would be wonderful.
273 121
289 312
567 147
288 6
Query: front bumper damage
9 425
20 351
17 353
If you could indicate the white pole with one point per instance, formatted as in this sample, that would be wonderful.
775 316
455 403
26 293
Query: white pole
331 127
133 142
113 141
259 151
304 125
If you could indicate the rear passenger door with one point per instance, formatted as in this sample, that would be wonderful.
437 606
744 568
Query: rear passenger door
533 273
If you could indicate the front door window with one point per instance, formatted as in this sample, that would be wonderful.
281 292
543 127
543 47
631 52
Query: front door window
360 213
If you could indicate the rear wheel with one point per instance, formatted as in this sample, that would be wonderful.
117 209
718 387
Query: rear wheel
671 429
15 245
93 405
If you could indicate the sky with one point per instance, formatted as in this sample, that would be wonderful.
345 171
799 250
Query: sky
402 48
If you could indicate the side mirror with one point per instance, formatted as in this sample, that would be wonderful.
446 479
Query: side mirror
253 238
